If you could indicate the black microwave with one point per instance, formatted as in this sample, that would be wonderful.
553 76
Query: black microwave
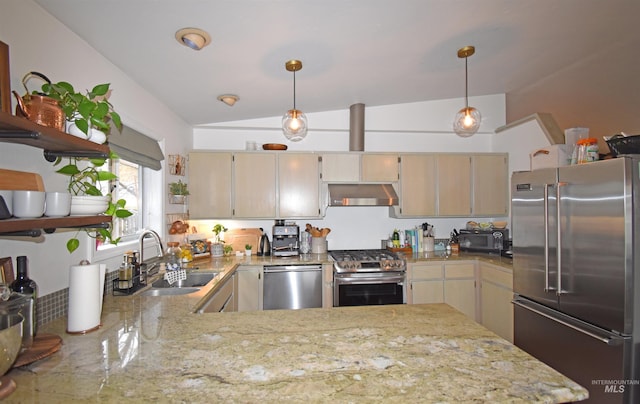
494 240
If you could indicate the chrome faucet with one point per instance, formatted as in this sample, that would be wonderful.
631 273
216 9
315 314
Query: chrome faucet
150 233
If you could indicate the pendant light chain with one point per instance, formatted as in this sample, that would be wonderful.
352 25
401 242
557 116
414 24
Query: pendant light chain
294 89
466 83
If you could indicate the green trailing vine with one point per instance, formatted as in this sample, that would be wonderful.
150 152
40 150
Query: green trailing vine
85 179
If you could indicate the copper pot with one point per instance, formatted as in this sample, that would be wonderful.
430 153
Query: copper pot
40 109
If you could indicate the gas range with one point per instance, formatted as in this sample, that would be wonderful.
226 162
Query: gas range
366 261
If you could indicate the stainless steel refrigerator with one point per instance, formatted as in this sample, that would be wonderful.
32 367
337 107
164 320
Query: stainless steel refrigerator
576 253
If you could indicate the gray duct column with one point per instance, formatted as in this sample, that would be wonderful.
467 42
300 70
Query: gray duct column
356 127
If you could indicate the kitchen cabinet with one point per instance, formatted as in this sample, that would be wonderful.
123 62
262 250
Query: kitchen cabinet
417 186
224 300
360 167
327 286
298 185
210 176
496 285
55 144
379 167
454 184
444 282
340 167
490 185
254 185
460 287
249 287
426 283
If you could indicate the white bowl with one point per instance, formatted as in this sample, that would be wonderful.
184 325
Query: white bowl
28 204
90 198
81 210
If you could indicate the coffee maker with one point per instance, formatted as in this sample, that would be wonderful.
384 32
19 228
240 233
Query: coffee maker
285 241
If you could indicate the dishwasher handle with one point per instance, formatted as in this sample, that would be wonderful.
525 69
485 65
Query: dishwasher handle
291 268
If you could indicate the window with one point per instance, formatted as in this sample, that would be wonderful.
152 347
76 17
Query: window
128 187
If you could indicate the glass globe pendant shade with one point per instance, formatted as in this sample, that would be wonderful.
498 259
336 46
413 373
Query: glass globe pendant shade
467 122
294 125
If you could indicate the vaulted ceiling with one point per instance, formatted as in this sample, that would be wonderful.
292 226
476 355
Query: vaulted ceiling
576 59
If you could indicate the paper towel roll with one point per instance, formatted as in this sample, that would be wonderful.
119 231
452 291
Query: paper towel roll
86 289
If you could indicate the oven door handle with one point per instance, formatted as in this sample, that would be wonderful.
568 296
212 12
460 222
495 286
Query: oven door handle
356 280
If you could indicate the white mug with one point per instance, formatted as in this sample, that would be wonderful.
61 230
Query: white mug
28 204
57 204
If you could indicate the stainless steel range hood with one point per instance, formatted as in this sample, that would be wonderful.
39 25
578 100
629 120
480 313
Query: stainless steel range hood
362 195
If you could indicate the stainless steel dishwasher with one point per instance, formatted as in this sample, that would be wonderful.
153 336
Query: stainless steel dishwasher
292 286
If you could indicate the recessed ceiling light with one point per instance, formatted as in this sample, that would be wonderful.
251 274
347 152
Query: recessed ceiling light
193 38
228 99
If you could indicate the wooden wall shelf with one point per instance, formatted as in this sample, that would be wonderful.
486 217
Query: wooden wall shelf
14 129
19 130
15 225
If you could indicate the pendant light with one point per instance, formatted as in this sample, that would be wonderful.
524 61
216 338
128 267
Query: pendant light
468 119
294 122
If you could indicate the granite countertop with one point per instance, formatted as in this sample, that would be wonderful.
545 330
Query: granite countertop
158 349
150 349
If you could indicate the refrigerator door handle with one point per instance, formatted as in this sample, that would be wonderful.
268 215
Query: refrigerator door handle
559 290
547 288
607 339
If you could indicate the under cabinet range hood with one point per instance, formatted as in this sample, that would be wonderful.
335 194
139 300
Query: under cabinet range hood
362 195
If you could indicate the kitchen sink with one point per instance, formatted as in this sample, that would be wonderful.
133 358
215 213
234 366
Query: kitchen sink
169 291
194 279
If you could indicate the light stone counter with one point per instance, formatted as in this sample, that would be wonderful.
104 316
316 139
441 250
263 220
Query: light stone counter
152 349
157 349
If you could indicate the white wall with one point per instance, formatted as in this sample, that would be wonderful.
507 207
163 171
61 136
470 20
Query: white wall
38 42
415 127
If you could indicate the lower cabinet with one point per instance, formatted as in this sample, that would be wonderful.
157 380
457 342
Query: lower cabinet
496 286
249 287
224 300
460 287
426 283
327 286
453 283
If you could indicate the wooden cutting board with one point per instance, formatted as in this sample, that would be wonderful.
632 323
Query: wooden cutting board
20 180
238 238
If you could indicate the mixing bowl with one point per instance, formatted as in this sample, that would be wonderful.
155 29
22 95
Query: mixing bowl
10 340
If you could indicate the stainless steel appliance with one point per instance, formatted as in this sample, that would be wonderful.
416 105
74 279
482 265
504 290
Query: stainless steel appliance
576 273
368 277
292 287
285 241
489 241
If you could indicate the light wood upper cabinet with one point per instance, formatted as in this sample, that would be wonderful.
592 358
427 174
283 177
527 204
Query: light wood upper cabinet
454 184
210 180
418 187
298 185
379 168
490 185
337 167
254 182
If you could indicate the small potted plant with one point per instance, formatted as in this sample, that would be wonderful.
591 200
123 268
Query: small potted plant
217 247
178 192
247 249
88 114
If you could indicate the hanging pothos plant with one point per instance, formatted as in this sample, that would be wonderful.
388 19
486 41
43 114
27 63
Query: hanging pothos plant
85 177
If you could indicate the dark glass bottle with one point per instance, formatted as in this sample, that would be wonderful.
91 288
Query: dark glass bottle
26 286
